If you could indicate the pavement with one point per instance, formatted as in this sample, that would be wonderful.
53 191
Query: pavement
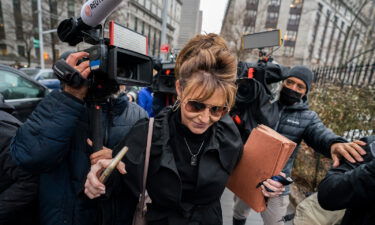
227 208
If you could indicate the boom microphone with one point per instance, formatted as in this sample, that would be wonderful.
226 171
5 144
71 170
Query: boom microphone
93 13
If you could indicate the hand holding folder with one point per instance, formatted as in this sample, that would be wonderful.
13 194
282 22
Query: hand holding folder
265 155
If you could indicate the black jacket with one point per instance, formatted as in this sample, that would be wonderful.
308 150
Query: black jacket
217 161
351 186
18 188
52 143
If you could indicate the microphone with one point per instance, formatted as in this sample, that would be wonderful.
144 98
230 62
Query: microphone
93 13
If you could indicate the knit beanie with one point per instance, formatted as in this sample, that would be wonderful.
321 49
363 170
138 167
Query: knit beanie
303 73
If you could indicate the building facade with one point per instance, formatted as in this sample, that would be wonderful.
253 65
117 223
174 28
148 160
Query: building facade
191 22
19 26
314 32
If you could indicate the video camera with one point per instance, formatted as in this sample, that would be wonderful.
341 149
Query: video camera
120 59
164 80
263 71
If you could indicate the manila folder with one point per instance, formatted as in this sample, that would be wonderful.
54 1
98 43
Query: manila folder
265 155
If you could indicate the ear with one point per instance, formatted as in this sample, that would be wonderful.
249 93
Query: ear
178 88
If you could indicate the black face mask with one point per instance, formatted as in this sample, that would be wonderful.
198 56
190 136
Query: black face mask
289 97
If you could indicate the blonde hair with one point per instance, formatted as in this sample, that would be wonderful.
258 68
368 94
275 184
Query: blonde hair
206 63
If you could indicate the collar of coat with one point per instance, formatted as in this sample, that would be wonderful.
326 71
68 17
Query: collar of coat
225 139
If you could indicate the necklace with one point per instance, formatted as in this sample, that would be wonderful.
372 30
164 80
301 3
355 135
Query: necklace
194 158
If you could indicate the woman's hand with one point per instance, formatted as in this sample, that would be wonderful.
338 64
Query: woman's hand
275 186
93 187
104 153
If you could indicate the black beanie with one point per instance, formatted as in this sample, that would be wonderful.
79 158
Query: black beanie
303 73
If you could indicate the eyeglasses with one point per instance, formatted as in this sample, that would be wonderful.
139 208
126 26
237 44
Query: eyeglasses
196 107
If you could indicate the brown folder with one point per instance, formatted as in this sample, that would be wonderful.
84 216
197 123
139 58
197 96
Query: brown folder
265 155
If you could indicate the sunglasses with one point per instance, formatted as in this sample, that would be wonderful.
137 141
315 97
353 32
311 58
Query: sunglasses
196 107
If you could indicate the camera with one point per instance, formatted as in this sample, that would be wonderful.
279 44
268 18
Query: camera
118 59
164 80
264 71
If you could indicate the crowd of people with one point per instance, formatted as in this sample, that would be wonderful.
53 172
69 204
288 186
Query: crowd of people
49 170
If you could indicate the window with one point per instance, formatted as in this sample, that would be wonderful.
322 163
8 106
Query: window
135 23
288 51
21 50
18 19
3 49
13 86
2 31
275 2
291 35
70 8
294 19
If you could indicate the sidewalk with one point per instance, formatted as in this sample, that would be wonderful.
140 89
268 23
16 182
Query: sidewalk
227 207
253 219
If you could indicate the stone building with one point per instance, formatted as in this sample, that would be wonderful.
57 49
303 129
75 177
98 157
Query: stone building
19 26
314 32
191 22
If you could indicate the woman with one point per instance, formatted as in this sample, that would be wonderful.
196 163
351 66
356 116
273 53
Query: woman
195 144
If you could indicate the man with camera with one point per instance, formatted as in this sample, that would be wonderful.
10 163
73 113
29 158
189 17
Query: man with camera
291 117
55 144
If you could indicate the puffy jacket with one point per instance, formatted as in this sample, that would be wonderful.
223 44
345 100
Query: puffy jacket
299 123
52 143
18 188
164 183
351 186
295 122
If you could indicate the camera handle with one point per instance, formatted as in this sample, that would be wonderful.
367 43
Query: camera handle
96 126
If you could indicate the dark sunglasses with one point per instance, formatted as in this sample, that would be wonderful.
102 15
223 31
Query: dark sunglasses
196 107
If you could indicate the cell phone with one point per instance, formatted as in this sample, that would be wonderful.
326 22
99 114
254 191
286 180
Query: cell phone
104 176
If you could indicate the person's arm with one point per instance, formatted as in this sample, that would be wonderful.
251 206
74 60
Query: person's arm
42 142
324 141
348 186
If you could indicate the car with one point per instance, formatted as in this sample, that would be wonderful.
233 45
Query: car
20 91
43 76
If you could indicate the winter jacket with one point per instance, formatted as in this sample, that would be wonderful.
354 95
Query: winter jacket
351 186
145 100
18 188
296 122
164 183
53 144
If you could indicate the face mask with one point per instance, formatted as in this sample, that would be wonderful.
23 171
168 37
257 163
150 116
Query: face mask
289 97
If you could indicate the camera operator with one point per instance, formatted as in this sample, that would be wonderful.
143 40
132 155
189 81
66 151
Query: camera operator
55 143
351 186
295 121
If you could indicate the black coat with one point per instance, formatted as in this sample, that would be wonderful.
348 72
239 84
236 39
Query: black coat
18 188
164 186
351 186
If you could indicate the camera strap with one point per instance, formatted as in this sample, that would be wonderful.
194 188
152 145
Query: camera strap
67 74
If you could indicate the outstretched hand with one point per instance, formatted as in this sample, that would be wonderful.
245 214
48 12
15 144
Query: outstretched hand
351 151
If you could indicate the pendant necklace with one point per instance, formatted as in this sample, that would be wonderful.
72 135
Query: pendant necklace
194 157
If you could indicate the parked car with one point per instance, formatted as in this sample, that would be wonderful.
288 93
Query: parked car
43 76
20 91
